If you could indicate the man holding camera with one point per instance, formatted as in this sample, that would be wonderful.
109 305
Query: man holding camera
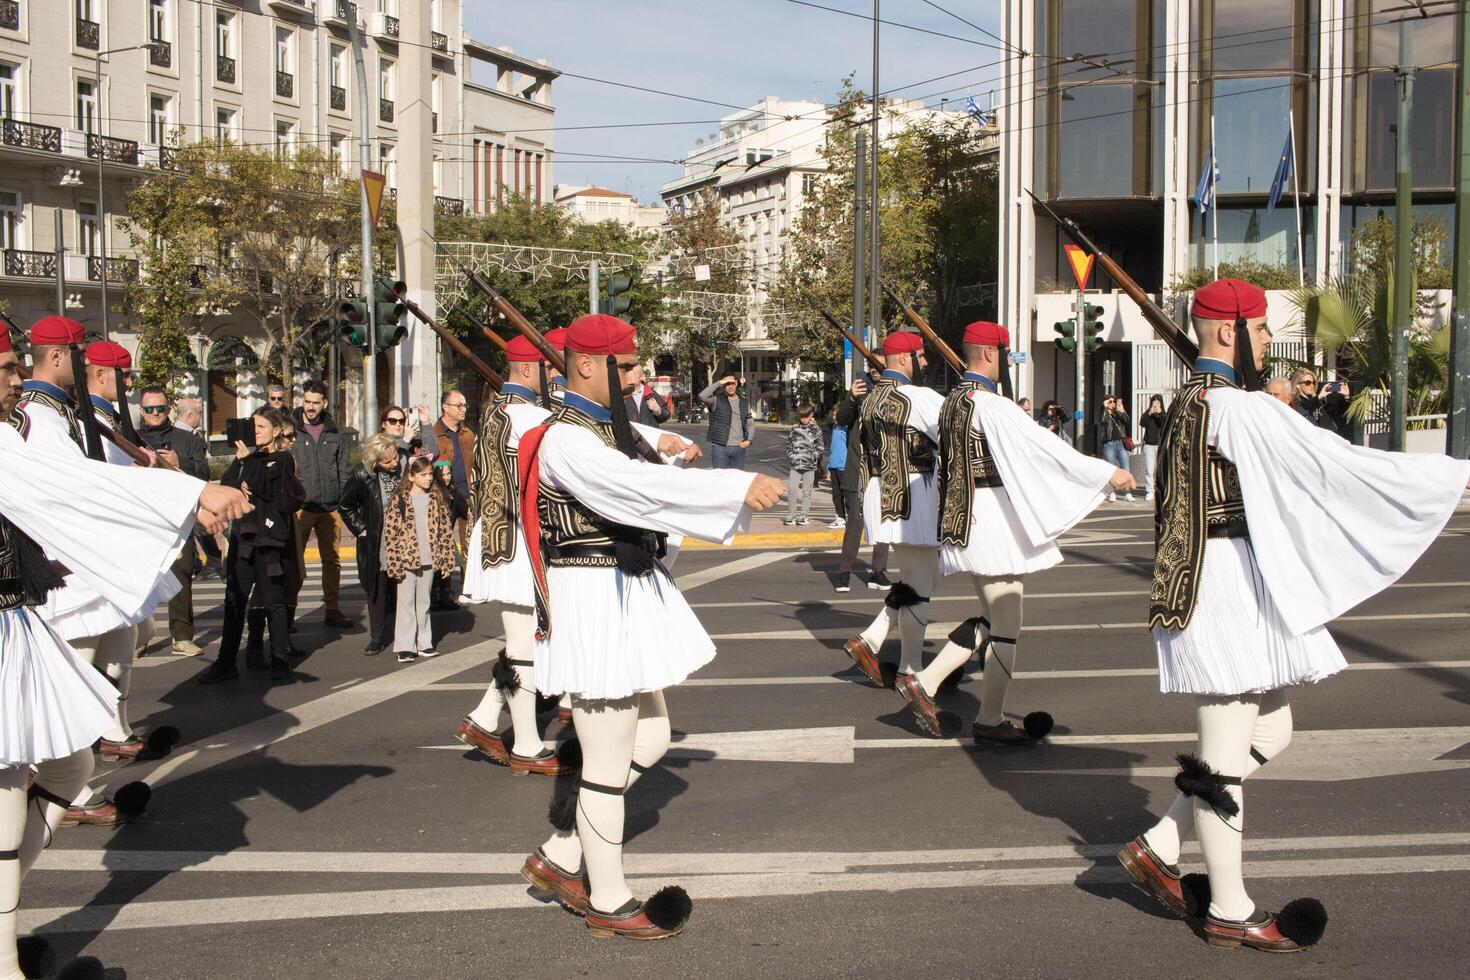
730 423
179 449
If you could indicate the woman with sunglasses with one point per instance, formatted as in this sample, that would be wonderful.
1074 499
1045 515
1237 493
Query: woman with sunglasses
398 425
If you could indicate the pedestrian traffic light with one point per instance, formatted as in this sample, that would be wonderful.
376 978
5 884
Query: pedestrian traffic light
352 315
617 303
389 307
1092 327
1066 335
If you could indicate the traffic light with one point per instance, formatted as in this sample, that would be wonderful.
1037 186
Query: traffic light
1092 327
616 303
1066 335
353 316
389 308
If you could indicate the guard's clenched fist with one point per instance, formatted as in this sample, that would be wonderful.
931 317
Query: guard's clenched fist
764 492
1122 480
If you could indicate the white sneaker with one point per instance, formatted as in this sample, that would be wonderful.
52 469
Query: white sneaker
1128 498
1149 495
839 522
186 648
1112 497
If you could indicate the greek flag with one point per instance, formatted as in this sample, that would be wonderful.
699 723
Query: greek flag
1283 174
975 112
1204 191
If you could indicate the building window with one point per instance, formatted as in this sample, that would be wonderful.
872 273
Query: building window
808 183
158 20
1375 114
87 227
285 38
224 123
388 7
435 93
86 105
435 16
9 91
389 164
88 10
10 218
386 77
224 34
285 136
339 66
159 109
438 174
337 151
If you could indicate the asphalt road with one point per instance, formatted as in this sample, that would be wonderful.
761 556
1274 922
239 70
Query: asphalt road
333 828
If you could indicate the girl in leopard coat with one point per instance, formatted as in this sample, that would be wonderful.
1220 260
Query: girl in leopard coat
418 540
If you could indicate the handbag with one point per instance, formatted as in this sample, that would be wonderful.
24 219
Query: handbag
1128 444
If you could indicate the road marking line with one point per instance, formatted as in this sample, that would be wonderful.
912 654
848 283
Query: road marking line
831 746
400 901
288 722
724 570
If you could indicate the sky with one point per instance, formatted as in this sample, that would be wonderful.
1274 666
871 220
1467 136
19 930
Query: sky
735 52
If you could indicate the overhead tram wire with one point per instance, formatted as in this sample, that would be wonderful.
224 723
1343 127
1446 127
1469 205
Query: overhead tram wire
894 23
970 23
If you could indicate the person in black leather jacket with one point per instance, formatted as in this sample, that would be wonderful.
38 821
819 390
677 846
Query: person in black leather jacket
371 484
262 545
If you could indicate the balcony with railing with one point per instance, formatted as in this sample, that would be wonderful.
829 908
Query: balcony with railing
340 13
30 136
118 269
285 84
385 110
167 158
439 44
339 98
385 26
22 264
160 54
112 150
448 205
224 69
434 122
89 34
298 8
9 15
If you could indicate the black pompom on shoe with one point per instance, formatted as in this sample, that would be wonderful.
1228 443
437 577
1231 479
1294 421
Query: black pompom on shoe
669 907
36 957
132 799
1196 888
889 673
563 809
570 753
82 968
1038 724
161 740
950 724
1303 921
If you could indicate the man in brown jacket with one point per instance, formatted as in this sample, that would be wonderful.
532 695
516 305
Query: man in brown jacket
456 442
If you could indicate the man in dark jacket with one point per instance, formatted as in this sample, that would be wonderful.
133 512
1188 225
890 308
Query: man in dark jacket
179 447
322 463
852 497
727 439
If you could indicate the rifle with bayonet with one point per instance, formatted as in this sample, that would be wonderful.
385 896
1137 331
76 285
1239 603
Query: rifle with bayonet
873 360
930 337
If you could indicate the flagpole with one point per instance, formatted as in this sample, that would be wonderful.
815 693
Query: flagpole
1296 193
1214 200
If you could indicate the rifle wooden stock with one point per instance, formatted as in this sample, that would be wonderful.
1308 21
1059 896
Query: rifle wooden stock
873 360
484 370
507 309
930 337
134 453
1169 332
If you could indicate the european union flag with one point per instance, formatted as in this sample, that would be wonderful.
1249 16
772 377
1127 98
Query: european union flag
1283 174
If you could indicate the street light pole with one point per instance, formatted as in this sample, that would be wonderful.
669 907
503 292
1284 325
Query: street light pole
1403 265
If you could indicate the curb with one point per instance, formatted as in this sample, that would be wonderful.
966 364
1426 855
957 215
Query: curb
772 540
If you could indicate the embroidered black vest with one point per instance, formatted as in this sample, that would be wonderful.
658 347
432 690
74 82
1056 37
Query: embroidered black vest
964 463
494 498
892 450
1197 497
25 573
21 422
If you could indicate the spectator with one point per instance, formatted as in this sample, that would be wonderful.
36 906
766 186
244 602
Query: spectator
190 415
836 462
1113 434
459 504
1024 405
371 486
179 448
645 405
393 422
728 441
804 454
1280 389
261 546
417 543
1151 431
1054 420
1333 414
255 616
275 397
852 496
323 464
1304 393
10 371
456 443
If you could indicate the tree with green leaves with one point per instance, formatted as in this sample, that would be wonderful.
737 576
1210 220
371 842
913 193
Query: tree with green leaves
709 314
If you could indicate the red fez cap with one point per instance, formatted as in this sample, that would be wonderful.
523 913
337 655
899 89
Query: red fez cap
5 347
521 349
557 338
902 342
105 353
599 333
983 333
1226 299
57 331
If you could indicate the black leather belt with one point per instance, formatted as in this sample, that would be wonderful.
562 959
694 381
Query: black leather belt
1232 530
992 480
581 551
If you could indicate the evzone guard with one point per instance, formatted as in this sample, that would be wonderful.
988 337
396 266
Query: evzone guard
898 426
1255 554
58 524
1007 489
102 633
613 630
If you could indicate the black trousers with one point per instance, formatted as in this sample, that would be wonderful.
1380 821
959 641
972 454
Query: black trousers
839 502
264 571
382 606
852 536
181 606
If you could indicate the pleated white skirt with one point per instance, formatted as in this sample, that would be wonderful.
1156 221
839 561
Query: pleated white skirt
52 703
922 526
616 635
1236 642
509 582
998 543
76 612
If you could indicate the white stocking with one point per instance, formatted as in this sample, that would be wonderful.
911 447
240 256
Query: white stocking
1271 736
877 632
56 780
520 646
12 826
1003 599
919 569
649 740
112 654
